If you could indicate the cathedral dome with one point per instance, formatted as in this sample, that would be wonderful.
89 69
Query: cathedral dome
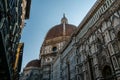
63 29
58 31
55 40
33 63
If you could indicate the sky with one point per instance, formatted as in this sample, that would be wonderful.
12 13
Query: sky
45 14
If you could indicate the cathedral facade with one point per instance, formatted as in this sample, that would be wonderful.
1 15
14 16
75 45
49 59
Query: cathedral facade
89 52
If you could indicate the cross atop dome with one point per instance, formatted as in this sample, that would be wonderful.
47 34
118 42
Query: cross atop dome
64 20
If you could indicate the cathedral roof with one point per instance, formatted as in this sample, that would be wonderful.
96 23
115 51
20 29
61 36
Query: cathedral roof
63 29
33 63
57 31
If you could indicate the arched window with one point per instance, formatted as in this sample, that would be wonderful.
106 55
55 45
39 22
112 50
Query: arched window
78 77
48 59
77 60
107 73
118 35
99 45
118 42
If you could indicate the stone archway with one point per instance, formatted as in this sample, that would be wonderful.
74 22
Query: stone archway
107 73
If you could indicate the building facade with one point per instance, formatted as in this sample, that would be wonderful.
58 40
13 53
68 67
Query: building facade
12 15
92 51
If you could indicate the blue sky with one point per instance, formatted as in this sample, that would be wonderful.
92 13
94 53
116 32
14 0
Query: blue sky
44 15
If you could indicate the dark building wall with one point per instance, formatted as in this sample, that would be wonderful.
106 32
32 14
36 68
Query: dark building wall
10 34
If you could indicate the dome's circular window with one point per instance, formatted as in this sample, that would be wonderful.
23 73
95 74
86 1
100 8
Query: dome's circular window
54 49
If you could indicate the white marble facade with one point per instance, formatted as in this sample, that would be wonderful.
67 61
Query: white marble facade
93 52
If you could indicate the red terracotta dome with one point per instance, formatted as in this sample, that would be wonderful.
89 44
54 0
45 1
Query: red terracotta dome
57 31
33 63
63 29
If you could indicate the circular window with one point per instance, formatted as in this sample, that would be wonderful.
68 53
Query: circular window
54 49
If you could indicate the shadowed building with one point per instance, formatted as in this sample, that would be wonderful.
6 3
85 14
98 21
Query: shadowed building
12 16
